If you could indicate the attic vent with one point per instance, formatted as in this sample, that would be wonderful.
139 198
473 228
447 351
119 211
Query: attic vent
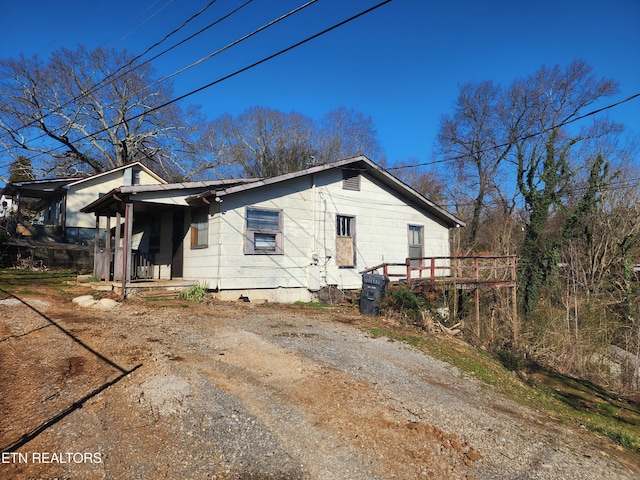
351 180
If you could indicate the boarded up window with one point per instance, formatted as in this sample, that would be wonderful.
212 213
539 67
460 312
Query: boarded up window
351 180
345 241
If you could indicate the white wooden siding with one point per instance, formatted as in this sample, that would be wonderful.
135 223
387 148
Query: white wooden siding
381 225
83 193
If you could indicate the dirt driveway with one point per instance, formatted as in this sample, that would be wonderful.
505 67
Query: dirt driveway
167 390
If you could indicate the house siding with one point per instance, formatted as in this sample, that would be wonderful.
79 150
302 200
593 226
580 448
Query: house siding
89 190
309 206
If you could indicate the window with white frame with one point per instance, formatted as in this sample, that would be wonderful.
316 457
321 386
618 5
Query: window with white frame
263 232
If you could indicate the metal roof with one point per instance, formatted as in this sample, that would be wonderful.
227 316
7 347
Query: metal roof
200 191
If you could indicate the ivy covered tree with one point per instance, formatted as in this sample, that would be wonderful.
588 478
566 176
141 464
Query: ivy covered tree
518 145
549 154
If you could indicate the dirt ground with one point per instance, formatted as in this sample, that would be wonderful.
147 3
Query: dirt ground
169 389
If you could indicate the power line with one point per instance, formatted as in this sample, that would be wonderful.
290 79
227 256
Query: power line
524 137
110 77
242 70
141 24
163 79
230 45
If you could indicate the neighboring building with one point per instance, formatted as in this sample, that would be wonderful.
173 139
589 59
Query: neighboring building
280 238
57 202
7 207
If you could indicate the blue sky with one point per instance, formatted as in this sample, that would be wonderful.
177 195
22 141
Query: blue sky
401 64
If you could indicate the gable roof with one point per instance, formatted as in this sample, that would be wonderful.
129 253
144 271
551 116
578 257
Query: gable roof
358 163
117 169
36 188
44 188
198 192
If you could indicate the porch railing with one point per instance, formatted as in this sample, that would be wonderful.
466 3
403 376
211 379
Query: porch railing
142 265
487 269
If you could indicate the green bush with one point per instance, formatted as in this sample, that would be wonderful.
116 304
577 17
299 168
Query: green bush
195 293
402 302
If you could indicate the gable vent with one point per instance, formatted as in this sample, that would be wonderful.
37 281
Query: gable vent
351 180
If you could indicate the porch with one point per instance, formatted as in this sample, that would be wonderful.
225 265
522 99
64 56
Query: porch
463 272
455 273
138 242
145 287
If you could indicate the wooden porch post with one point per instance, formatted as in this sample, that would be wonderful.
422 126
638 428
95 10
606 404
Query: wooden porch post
107 250
476 294
97 271
117 254
126 257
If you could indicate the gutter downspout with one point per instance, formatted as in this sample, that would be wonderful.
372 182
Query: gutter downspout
126 253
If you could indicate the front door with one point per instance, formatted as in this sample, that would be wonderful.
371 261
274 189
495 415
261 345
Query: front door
416 244
177 239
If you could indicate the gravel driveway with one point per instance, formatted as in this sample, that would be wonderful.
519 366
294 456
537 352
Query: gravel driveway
226 391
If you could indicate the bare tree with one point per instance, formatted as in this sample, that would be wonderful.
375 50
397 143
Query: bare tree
427 182
474 142
91 111
264 142
343 133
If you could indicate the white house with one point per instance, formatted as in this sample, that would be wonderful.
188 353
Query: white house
59 200
7 206
280 238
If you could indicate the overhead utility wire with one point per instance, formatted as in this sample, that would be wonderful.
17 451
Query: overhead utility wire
524 137
230 45
208 57
253 65
97 86
110 77
141 24
242 70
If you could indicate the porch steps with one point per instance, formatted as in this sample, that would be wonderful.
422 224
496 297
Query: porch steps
147 288
159 294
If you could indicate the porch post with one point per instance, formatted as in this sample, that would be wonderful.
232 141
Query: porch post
107 249
476 295
126 258
96 249
117 257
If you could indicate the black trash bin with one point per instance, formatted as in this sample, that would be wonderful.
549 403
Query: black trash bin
373 287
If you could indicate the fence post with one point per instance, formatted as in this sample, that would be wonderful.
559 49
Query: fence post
408 266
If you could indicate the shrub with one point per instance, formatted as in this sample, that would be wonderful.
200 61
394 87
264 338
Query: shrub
402 302
195 293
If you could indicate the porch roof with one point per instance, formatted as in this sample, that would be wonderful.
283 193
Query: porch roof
161 195
36 188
